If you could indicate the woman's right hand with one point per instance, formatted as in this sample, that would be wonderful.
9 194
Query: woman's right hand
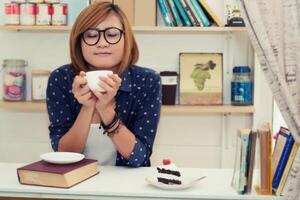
82 92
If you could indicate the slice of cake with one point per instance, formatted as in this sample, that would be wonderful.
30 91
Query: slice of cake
168 173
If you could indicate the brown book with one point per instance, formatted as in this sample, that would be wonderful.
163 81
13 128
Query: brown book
265 146
54 175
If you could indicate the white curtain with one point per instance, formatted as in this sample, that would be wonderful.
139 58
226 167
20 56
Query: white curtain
274 30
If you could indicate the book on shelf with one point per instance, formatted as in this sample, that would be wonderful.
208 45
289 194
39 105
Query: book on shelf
170 13
281 138
53 175
239 178
175 13
210 13
290 188
183 14
264 184
200 13
193 12
189 13
282 162
165 13
287 169
251 159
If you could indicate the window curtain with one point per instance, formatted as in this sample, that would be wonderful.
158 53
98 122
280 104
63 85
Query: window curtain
274 31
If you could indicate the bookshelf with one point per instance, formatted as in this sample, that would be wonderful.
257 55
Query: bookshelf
28 106
161 29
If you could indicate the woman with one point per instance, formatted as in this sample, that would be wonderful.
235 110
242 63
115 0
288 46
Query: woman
128 112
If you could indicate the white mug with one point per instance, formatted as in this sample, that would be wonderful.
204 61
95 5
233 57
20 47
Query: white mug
92 78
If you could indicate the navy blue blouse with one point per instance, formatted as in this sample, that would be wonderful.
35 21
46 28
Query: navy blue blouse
138 105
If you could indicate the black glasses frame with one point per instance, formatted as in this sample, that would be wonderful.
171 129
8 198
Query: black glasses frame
99 35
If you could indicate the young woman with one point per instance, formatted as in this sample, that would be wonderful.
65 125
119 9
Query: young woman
127 113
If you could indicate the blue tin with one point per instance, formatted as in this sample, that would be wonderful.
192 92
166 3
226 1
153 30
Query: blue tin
241 86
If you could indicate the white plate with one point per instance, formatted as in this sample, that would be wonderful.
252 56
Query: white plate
62 157
186 182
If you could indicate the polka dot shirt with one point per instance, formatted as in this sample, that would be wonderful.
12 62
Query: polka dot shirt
138 103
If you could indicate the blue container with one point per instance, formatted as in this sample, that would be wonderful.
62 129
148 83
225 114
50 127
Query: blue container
241 86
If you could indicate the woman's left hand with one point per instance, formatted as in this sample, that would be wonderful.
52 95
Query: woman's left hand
111 85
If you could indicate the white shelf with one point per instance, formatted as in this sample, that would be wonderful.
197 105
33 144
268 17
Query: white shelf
28 106
161 29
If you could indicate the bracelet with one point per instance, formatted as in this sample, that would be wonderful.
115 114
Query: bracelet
114 131
111 124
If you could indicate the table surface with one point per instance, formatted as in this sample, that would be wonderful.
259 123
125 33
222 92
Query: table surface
128 183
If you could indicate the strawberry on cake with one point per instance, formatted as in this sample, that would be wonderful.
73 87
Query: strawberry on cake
168 173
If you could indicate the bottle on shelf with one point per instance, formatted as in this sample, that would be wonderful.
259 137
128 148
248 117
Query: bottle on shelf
14 80
241 86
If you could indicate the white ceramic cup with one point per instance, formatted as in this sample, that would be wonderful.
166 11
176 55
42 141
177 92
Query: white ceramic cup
92 78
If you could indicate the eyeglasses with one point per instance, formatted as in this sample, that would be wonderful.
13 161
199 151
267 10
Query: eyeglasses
112 35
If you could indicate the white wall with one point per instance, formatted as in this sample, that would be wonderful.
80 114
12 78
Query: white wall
189 140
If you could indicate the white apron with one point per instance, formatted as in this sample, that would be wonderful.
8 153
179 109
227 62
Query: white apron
100 147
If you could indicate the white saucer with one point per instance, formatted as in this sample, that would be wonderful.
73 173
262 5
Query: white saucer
62 157
186 183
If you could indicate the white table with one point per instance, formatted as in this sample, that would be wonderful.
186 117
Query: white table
127 183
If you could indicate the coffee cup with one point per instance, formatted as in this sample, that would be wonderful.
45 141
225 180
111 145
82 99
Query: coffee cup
92 78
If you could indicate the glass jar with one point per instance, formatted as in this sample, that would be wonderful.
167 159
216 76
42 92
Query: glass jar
39 81
14 80
241 86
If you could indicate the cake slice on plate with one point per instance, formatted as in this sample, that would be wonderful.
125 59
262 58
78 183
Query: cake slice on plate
168 173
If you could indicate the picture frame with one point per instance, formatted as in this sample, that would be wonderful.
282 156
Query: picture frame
201 78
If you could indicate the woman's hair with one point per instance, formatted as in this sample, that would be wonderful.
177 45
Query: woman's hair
91 17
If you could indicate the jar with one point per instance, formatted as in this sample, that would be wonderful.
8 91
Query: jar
43 14
12 14
28 14
14 80
39 81
59 14
241 86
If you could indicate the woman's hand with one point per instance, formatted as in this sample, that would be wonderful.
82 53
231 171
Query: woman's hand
106 100
82 92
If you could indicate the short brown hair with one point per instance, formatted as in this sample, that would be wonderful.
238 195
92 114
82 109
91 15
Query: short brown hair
91 17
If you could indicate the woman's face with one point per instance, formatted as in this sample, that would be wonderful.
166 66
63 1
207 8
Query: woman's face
106 53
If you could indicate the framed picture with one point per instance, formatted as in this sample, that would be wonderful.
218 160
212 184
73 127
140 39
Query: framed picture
201 78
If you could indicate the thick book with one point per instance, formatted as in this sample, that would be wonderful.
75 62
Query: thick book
210 13
282 162
53 175
264 186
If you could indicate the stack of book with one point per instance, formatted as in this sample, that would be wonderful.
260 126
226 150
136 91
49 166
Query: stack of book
277 168
188 13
